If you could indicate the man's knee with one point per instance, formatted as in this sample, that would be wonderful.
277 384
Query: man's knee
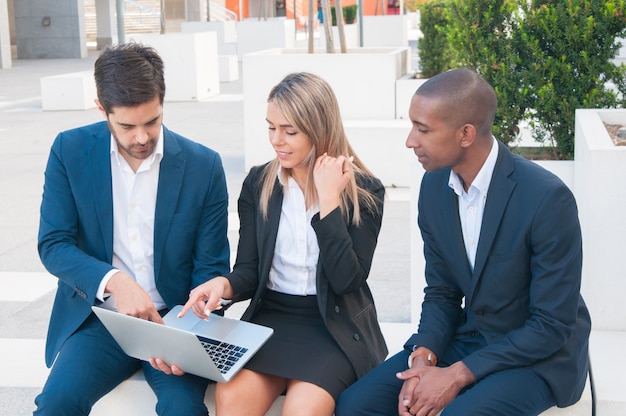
366 400
61 402
176 395
174 407
346 403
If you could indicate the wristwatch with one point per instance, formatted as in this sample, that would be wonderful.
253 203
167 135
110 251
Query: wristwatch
424 353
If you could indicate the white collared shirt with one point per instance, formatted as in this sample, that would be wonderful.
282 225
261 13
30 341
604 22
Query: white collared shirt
472 202
134 205
296 253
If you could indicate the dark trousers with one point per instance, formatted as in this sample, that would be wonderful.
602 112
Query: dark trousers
518 391
91 364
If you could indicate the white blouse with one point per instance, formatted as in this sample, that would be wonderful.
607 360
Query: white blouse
296 253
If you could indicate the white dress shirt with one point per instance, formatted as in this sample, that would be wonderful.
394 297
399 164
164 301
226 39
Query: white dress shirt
472 202
134 204
296 253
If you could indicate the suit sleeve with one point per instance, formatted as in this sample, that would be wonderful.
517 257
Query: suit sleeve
211 249
347 250
60 230
244 278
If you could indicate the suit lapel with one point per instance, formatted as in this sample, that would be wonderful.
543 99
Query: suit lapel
99 168
268 231
455 225
172 170
498 196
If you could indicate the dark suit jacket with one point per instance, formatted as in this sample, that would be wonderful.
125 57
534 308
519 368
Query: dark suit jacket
344 298
76 226
525 288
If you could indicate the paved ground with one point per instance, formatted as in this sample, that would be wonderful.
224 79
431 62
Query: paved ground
26 291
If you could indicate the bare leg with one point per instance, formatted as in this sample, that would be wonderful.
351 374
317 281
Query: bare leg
306 399
248 394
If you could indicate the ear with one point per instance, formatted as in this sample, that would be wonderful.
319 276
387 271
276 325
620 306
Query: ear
467 135
100 108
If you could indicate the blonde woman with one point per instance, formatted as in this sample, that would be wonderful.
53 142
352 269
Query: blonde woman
309 221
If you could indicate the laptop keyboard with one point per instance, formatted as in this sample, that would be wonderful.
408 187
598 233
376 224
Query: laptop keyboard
223 354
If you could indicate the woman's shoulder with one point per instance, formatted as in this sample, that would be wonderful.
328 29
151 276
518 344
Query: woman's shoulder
256 176
369 182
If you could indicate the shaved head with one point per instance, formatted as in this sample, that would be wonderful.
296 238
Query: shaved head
463 97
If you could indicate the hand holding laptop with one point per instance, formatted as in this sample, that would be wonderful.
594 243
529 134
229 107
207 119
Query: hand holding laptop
208 297
159 364
216 349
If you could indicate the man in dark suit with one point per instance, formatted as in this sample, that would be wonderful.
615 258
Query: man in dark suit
503 329
133 217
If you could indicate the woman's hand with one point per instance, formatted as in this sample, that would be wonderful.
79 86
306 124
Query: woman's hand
331 176
207 297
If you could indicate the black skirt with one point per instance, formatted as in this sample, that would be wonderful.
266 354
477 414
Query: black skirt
301 347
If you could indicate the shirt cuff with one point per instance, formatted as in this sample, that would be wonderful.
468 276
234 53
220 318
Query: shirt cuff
100 295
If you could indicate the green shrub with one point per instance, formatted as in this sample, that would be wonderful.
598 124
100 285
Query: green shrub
545 59
479 36
433 47
349 14
567 51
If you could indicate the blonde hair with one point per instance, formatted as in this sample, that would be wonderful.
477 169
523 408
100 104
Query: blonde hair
310 105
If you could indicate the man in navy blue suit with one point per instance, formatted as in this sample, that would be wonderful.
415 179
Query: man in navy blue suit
133 217
504 329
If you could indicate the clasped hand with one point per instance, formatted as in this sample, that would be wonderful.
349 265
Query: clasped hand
427 390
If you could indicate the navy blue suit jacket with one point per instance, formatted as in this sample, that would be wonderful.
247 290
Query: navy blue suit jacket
524 291
76 225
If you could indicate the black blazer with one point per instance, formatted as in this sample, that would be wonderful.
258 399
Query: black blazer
525 288
343 296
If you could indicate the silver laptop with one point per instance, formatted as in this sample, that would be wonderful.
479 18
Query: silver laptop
215 349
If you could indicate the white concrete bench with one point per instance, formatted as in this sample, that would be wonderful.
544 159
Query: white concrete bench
228 67
72 91
134 396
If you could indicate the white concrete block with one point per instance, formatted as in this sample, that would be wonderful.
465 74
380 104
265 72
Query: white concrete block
73 91
256 34
389 30
599 188
25 286
380 145
351 33
191 63
364 86
24 366
229 68
405 89
226 33
608 365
